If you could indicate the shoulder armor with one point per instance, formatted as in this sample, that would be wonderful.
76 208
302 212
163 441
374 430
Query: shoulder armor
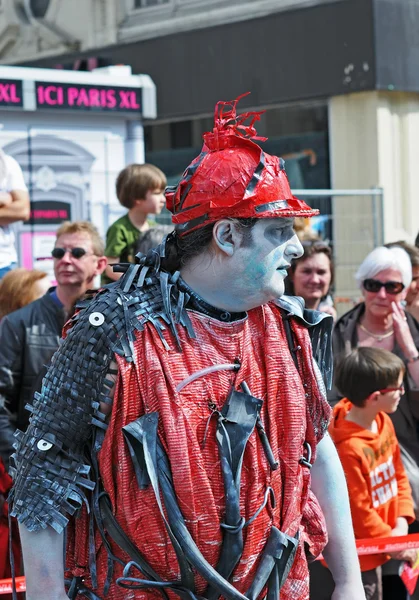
320 326
142 295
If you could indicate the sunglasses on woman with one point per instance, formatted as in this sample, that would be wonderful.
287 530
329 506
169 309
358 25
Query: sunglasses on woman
75 252
391 287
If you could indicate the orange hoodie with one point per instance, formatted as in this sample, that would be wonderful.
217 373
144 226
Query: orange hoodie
379 490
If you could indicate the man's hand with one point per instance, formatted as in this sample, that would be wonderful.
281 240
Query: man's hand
5 199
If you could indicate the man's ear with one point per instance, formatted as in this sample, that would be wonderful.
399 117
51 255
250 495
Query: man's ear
226 236
102 262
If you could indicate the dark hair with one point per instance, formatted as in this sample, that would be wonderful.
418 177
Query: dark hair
135 181
366 370
417 241
311 248
151 238
412 251
181 250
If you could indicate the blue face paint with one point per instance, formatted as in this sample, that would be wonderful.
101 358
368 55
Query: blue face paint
245 272
260 268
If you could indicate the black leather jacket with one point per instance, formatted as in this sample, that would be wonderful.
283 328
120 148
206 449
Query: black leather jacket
28 339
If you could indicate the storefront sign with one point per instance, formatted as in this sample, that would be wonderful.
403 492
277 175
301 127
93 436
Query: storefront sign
10 93
98 98
49 212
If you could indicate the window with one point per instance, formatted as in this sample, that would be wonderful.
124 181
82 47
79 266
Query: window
146 3
181 134
39 8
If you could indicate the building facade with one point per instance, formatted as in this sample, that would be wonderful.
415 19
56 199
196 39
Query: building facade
338 80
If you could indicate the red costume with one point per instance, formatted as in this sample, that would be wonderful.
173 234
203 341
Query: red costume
289 417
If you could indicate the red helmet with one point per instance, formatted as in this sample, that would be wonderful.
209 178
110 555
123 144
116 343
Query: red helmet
232 177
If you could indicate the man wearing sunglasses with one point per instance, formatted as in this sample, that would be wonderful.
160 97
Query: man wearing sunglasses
30 335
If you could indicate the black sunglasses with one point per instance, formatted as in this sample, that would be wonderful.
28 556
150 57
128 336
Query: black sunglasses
75 252
392 287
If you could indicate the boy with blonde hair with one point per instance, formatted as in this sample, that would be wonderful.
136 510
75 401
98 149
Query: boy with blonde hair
140 188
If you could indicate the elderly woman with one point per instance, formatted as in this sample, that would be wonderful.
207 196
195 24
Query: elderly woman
381 321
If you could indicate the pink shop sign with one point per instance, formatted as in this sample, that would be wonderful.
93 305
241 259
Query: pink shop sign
79 97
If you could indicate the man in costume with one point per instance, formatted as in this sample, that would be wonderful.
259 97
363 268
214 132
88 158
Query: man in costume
183 414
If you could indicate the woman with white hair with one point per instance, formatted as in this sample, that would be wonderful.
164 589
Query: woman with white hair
380 321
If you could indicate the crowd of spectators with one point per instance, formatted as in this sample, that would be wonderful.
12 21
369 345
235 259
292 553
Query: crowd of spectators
376 351
385 321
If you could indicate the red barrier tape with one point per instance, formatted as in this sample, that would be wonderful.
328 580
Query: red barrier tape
374 546
6 586
385 545
388 544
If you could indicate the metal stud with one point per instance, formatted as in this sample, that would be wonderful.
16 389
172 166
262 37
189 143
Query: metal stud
96 319
44 445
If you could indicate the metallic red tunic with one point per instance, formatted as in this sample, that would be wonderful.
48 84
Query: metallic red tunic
293 411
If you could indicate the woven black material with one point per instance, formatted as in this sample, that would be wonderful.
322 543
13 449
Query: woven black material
50 473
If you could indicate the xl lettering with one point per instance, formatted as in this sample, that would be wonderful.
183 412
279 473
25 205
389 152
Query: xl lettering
8 93
128 100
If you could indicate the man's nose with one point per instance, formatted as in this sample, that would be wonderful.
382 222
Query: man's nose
67 256
294 248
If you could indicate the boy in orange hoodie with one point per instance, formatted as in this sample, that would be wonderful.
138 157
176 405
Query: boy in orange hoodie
371 380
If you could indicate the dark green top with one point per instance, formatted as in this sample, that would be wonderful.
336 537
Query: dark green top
121 238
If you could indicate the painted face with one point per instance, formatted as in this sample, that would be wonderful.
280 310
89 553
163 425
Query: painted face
154 202
390 400
260 267
75 271
312 278
413 290
378 304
